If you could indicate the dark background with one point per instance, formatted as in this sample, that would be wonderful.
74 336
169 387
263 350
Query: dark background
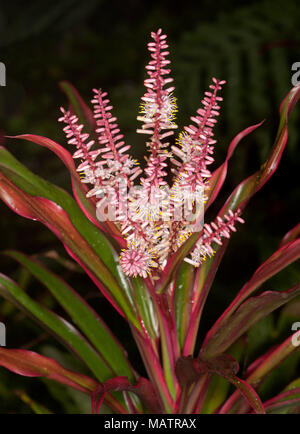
252 45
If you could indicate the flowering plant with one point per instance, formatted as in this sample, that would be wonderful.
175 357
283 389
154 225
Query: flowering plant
146 248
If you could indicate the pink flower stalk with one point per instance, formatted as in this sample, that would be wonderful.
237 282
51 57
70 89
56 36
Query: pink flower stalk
195 152
114 164
158 111
149 222
196 143
213 232
77 138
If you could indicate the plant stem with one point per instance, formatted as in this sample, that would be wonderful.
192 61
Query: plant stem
196 397
154 370
169 340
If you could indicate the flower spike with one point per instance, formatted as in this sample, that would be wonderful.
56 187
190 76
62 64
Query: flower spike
214 232
158 110
76 137
196 142
113 149
158 106
154 219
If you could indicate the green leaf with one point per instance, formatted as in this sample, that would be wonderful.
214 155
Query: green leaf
183 300
30 364
188 369
216 394
37 199
250 312
87 205
286 400
145 306
66 332
277 262
90 324
261 369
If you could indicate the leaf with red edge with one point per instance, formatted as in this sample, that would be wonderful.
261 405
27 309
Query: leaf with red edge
244 191
143 389
61 329
31 364
145 305
251 311
88 206
224 366
57 220
21 191
261 368
278 261
204 278
291 235
216 181
183 300
79 189
82 315
248 393
288 399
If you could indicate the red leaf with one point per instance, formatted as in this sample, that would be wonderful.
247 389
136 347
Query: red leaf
218 177
290 398
88 206
143 389
248 393
291 235
261 367
58 221
277 262
251 311
30 364
224 366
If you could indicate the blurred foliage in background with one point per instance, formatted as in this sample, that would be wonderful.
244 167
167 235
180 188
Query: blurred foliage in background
252 45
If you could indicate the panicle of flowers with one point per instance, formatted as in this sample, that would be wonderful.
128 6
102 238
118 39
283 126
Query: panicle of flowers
119 165
104 166
193 155
153 218
214 232
115 162
195 144
157 113
158 110
76 137
90 170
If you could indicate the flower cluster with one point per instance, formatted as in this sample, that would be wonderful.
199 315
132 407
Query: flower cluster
196 142
152 221
213 232
103 167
